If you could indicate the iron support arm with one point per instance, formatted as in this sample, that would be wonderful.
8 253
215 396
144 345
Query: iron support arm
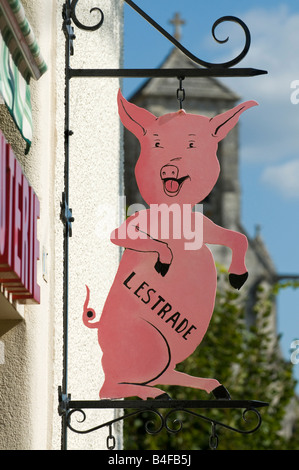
155 73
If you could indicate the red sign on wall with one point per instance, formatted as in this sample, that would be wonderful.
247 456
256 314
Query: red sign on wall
19 247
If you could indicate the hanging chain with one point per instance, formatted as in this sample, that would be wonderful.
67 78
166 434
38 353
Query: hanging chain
110 442
180 93
213 441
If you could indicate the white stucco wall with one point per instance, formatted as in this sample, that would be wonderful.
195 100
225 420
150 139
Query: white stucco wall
95 159
31 351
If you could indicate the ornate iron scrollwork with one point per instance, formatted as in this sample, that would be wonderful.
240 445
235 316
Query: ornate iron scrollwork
242 54
78 23
191 56
209 68
167 421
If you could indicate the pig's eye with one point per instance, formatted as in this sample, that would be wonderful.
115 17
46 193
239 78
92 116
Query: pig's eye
191 145
158 144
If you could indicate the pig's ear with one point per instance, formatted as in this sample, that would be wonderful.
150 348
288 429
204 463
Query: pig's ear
223 123
135 119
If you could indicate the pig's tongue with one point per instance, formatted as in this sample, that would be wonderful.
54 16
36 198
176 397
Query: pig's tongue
171 186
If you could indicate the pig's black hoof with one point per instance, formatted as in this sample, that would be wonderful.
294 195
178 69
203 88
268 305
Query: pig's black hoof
220 393
161 268
163 396
237 280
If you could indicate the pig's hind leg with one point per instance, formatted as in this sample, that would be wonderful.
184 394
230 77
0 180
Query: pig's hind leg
173 377
132 362
114 391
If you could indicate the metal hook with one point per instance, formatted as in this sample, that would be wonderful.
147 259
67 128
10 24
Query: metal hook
180 93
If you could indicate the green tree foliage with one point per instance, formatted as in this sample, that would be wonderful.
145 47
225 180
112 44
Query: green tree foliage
247 360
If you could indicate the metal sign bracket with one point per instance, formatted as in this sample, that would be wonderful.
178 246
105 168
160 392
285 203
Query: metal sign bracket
68 407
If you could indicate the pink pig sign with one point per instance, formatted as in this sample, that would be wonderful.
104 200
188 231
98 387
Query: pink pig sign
162 299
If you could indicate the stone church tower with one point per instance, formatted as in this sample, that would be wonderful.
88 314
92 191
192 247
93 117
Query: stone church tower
209 97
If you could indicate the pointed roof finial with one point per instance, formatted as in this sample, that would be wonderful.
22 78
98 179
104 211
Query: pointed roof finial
177 21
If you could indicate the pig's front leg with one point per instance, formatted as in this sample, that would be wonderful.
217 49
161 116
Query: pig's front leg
237 242
132 236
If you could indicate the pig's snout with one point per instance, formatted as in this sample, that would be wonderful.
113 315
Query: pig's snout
169 171
171 182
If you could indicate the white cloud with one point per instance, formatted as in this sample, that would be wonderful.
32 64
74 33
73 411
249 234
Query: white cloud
274 43
270 133
284 178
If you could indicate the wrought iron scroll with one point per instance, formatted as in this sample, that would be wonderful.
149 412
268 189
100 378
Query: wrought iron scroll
68 408
205 68
72 12
76 410
191 56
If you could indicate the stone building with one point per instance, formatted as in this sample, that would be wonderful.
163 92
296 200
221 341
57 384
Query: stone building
209 97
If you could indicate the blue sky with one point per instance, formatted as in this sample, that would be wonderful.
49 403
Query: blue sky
269 137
